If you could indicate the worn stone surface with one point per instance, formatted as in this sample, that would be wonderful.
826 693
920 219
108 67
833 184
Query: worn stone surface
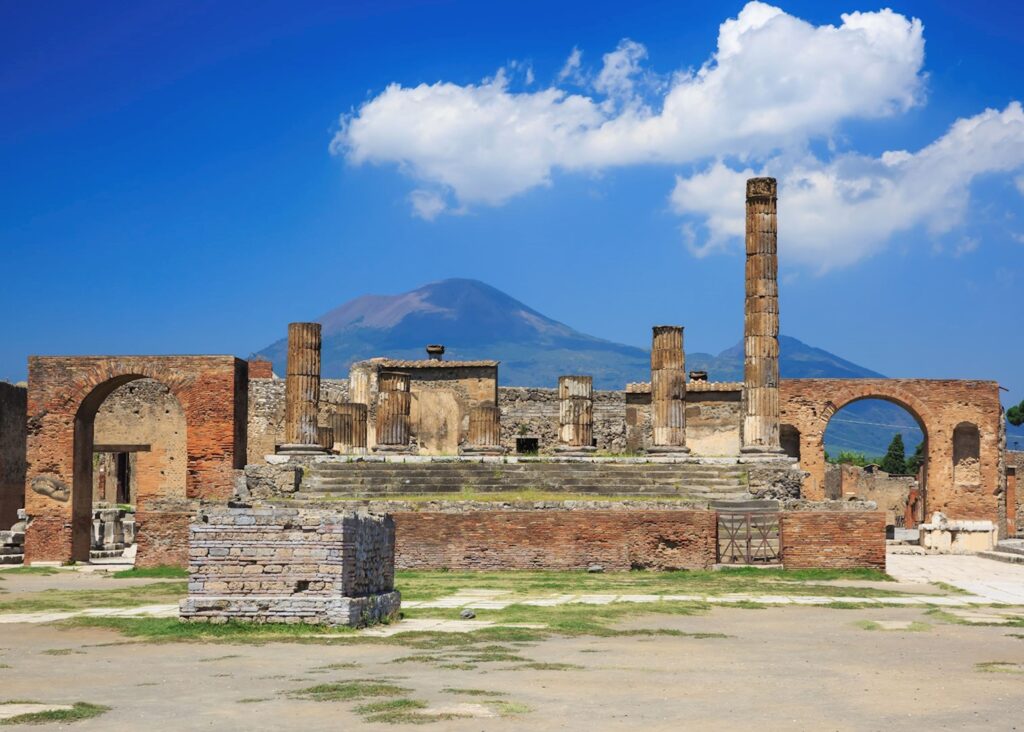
777 482
283 565
212 393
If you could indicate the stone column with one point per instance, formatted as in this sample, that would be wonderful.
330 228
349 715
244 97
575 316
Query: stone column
325 437
668 390
302 389
484 431
394 403
575 415
761 322
349 423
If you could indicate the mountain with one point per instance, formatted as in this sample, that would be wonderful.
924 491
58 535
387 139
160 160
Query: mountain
476 321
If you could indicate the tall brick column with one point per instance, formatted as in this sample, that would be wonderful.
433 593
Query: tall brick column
575 415
349 423
484 431
761 321
302 389
668 390
394 403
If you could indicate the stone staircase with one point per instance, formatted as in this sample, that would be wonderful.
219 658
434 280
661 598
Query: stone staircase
450 480
1007 550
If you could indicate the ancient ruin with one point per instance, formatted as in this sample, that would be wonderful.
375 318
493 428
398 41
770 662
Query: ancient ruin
118 455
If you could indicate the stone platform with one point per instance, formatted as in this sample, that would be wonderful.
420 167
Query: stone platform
268 564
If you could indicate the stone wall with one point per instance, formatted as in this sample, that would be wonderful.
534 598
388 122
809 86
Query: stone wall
266 412
13 402
558 539
1014 458
957 417
890 492
287 565
833 539
533 413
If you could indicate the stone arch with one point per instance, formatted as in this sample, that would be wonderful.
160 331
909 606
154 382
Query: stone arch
64 396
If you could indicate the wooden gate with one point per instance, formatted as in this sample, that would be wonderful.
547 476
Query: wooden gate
749 532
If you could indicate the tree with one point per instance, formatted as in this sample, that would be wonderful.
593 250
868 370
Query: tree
895 461
1015 415
915 461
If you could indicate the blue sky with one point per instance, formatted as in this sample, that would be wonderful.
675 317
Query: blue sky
188 178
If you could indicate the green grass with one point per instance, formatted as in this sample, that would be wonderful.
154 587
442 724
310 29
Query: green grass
391 705
61 651
78 712
1000 667
471 692
67 600
914 627
29 570
172 629
161 572
349 691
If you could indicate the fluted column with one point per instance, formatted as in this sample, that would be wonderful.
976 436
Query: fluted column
325 436
484 431
302 389
575 414
668 390
761 321
349 423
394 403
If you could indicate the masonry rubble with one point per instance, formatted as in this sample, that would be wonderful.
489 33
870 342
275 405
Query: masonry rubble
12 541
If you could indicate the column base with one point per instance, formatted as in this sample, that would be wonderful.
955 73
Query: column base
396 449
761 450
668 450
297 449
575 450
482 450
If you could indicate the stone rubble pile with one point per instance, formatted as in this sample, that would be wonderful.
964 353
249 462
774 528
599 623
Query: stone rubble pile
12 542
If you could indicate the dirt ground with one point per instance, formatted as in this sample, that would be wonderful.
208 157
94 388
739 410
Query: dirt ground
778 668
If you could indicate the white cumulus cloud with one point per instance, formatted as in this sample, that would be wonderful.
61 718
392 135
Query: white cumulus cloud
775 81
835 213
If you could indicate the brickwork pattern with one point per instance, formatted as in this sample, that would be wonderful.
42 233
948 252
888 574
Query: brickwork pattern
287 565
833 539
939 406
212 394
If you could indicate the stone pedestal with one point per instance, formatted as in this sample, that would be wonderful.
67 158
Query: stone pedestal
668 391
394 404
349 423
484 431
277 565
302 390
575 415
761 322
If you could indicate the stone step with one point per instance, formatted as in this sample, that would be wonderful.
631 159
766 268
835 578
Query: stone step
1000 556
510 481
419 468
1011 546
12 559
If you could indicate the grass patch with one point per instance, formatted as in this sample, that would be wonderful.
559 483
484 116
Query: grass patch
173 630
948 617
913 627
349 691
161 572
338 666
999 667
391 705
60 651
508 708
69 600
44 571
219 658
542 666
78 712
471 692
951 589
251 700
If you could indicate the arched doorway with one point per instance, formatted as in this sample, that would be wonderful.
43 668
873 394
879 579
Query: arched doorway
876 449
64 397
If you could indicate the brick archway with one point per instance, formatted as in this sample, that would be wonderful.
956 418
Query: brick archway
63 396
938 406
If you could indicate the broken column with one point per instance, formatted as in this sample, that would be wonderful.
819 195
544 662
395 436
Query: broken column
484 431
325 437
302 390
349 423
575 415
394 403
668 390
761 322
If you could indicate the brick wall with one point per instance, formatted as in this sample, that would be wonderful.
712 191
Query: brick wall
210 389
833 539
12 452
617 540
